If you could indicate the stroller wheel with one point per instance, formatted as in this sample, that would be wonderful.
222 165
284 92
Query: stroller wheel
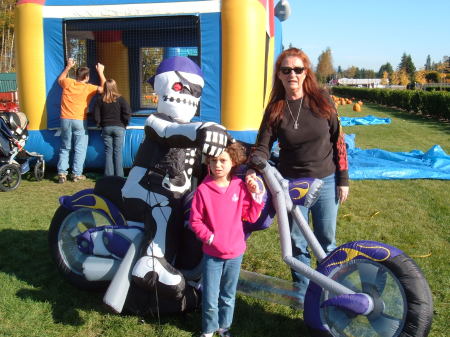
39 170
10 177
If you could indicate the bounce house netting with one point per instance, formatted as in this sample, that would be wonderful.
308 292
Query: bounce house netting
132 49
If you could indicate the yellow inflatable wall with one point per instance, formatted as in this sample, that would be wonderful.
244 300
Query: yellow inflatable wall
30 60
243 64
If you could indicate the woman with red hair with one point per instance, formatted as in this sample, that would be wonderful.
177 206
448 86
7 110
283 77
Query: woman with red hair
302 118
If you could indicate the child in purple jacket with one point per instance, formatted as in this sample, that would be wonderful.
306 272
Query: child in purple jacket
220 205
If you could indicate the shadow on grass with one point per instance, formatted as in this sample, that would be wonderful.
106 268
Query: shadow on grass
443 126
251 318
25 255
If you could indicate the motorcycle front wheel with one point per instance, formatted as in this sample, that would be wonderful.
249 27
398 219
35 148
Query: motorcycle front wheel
403 304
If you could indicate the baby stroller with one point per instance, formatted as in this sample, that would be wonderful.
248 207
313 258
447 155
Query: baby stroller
14 159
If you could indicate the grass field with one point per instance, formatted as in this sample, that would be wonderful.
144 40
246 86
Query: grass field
413 215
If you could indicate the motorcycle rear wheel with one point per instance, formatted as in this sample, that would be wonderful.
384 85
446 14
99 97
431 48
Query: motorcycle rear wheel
62 239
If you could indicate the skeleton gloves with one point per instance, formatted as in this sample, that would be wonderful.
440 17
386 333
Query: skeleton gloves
214 138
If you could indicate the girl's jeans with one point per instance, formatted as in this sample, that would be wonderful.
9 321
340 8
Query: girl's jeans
113 142
219 283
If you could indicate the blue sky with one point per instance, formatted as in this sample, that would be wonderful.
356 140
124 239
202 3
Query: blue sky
369 33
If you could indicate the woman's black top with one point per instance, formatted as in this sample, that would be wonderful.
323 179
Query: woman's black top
316 149
117 113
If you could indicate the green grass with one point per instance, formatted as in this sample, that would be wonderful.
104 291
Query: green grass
413 215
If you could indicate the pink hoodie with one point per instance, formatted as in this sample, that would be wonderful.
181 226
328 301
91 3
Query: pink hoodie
221 211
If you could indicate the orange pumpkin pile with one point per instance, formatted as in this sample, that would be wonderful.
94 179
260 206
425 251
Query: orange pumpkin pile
343 101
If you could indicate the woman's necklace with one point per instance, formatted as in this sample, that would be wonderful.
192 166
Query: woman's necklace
298 113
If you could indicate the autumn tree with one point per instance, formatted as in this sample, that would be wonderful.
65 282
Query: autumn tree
350 72
399 77
385 78
7 56
420 76
444 65
325 69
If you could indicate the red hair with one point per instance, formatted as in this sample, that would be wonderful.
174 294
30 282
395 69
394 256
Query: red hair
316 97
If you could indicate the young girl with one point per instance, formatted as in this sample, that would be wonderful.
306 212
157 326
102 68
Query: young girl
112 113
220 204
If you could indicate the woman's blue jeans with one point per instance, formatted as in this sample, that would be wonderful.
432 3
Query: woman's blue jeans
113 141
324 215
76 130
219 282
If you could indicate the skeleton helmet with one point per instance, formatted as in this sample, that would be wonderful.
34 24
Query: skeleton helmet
178 82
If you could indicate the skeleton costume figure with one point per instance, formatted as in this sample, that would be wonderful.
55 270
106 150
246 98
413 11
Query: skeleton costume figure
167 160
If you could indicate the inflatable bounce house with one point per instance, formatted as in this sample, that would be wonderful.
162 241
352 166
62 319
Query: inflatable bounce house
234 42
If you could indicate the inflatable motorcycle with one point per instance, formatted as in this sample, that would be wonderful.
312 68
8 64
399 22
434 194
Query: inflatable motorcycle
132 238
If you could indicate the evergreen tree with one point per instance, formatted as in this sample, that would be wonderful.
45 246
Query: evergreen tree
410 67
402 64
407 65
339 72
428 63
385 68
446 62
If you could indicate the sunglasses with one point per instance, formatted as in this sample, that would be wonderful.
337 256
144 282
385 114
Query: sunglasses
287 70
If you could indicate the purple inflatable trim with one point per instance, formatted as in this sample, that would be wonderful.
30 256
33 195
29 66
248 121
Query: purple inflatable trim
356 303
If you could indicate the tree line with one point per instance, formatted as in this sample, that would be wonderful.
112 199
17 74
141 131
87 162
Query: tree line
406 72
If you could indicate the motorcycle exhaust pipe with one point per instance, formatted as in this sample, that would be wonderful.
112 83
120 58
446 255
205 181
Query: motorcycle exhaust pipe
97 268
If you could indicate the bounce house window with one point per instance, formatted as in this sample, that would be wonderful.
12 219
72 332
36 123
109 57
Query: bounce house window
131 50
149 59
77 49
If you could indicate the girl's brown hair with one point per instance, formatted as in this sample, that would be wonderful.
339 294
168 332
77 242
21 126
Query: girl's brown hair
237 153
315 96
110 91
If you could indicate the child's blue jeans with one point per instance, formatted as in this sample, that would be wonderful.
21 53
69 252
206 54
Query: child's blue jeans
219 283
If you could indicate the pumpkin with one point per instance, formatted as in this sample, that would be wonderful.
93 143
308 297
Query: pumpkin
356 107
